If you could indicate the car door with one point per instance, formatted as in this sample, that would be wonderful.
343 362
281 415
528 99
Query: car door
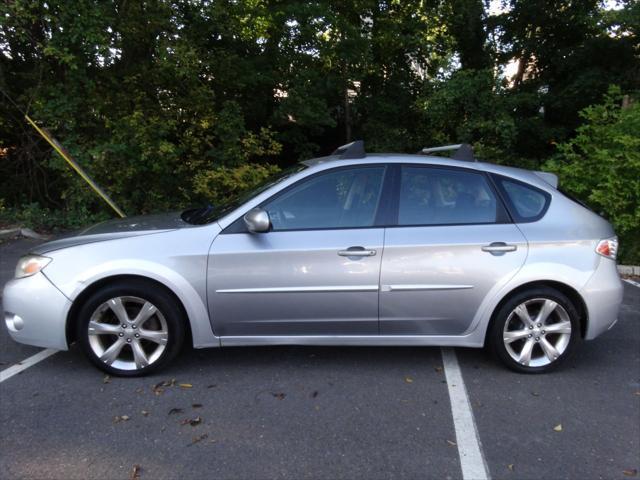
315 272
453 244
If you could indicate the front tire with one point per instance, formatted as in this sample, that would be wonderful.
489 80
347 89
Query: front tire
130 328
535 331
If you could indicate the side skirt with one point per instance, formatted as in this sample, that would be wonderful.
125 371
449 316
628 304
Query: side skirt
472 340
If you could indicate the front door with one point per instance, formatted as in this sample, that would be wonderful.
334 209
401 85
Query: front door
315 273
453 244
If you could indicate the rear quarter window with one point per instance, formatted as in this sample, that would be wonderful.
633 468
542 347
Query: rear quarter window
525 202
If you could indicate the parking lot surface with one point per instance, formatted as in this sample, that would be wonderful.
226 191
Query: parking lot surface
311 412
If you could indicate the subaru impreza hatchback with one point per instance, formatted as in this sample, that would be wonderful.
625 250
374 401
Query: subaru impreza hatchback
349 249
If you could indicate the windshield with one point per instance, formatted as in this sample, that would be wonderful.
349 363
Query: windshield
210 213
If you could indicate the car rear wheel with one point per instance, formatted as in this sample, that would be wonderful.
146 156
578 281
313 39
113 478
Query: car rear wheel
130 328
535 331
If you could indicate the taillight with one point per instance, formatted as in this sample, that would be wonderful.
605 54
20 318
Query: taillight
608 247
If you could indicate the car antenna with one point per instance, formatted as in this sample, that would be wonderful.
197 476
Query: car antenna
351 150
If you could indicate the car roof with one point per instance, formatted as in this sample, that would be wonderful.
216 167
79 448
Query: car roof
544 180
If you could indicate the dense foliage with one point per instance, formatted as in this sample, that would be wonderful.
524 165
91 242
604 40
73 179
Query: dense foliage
601 165
171 103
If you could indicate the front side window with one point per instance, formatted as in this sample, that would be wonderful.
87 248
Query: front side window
440 196
345 198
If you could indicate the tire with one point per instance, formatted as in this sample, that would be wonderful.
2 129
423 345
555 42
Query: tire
535 331
135 340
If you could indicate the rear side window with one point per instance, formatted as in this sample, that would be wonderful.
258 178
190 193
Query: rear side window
440 196
526 203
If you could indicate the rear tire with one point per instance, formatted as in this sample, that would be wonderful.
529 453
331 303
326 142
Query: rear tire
535 331
130 328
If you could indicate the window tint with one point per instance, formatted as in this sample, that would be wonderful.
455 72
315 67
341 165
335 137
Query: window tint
528 202
346 198
437 196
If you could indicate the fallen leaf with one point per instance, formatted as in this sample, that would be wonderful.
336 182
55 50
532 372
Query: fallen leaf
279 396
198 439
510 467
120 418
196 405
185 385
106 379
144 413
314 394
175 410
408 379
191 421
158 387
168 383
630 473
453 444
558 428
135 472
438 369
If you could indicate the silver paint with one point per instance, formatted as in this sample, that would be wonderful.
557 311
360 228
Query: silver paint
432 285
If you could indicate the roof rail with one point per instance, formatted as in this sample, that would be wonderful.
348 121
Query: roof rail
463 151
351 150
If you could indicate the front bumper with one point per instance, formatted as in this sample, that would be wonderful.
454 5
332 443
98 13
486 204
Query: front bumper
35 312
603 296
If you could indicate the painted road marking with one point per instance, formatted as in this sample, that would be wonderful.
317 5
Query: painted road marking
635 284
472 462
7 373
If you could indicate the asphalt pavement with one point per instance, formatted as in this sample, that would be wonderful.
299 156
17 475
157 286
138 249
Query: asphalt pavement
319 412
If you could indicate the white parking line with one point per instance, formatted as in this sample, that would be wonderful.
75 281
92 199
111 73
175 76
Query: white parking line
7 373
635 284
472 460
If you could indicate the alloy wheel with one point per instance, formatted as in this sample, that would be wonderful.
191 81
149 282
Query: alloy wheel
537 332
128 333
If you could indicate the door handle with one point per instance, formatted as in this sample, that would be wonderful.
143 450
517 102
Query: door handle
356 252
499 248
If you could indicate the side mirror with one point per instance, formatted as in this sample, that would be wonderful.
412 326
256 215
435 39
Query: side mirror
257 220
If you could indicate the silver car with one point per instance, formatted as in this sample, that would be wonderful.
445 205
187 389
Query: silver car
349 249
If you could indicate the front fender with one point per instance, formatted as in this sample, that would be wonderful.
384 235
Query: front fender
195 307
176 259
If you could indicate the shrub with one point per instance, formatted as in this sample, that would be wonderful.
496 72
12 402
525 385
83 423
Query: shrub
601 166
222 184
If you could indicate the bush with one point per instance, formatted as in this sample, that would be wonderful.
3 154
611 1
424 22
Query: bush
42 219
222 184
601 166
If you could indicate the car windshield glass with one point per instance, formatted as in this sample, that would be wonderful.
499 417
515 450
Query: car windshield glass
210 213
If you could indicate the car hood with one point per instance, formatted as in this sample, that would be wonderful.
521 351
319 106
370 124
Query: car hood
118 228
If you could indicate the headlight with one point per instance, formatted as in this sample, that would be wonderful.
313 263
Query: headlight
30 265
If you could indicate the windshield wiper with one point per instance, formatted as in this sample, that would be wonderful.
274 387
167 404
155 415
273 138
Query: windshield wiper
198 215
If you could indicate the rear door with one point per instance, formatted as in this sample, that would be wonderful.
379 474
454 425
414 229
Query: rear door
453 243
316 272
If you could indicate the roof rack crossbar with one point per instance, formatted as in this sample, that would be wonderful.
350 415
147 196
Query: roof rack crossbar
351 150
462 151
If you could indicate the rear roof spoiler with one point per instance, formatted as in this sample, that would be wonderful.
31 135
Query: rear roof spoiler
548 177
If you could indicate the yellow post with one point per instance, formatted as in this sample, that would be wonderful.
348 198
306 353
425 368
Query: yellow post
64 154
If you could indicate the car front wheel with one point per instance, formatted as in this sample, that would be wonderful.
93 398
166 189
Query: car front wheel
130 328
535 331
